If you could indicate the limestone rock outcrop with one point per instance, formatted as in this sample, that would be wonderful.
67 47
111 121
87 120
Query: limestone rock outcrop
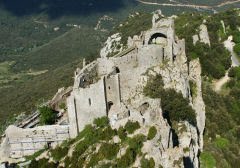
202 36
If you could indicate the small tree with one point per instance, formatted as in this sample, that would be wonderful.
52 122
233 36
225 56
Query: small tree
152 133
237 49
131 126
47 115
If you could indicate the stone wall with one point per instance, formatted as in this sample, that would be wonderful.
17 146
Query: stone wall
23 142
86 104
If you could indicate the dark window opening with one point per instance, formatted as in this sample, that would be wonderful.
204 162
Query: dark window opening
90 102
48 145
129 113
110 104
143 120
174 138
146 104
117 70
187 162
174 57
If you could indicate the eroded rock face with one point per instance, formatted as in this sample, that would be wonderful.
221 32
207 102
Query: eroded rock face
111 46
197 99
203 35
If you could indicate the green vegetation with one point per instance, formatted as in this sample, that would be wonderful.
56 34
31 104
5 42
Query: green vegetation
134 25
106 151
215 60
134 149
193 88
174 106
36 154
237 49
221 143
85 145
207 160
145 163
101 122
152 133
42 163
234 83
131 127
222 110
47 115
222 119
122 133
59 152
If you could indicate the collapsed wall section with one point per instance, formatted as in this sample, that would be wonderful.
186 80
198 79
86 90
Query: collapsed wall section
23 142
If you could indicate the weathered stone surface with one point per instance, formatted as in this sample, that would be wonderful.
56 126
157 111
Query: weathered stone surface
22 142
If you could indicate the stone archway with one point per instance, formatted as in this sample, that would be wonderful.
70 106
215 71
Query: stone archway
155 36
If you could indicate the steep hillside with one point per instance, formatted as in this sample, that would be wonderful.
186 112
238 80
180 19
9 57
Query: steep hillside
39 38
102 146
222 108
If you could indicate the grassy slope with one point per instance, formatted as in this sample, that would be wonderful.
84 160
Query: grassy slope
60 56
65 48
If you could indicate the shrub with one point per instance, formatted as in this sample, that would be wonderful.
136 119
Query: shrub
101 122
131 126
106 151
136 143
122 133
174 106
47 115
207 160
145 163
42 163
152 133
237 49
221 143
193 88
127 159
59 152
109 151
234 72
177 108
154 87
62 106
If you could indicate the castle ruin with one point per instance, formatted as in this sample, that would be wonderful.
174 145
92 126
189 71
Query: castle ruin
105 87
113 87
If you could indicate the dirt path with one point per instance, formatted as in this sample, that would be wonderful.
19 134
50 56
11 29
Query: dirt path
227 3
219 84
229 46
178 4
